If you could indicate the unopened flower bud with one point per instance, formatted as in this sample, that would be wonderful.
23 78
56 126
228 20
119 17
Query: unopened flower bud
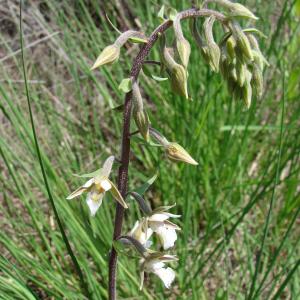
257 80
242 43
247 90
224 65
236 9
177 73
109 55
142 122
230 47
182 45
175 152
258 56
179 80
140 116
212 50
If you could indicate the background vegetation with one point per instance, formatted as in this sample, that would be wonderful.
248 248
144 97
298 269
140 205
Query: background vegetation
240 206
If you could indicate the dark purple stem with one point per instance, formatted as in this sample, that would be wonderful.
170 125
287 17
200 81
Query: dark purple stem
123 170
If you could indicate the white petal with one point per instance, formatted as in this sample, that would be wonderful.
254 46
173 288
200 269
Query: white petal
89 183
94 204
155 225
105 184
81 189
153 264
107 166
167 236
158 217
167 275
141 235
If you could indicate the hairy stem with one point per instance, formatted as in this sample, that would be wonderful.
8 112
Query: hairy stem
123 170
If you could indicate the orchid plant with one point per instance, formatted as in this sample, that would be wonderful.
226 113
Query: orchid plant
236 56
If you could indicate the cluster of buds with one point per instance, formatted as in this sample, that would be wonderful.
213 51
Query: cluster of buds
237 56
242 63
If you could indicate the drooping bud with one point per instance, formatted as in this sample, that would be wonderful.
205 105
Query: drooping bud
247 90
175 152
230 47
182 45
109 55
257 80
224 65
140 116
241 73
179 80
236 9
258 56
243 47
142 122
212 50
177 73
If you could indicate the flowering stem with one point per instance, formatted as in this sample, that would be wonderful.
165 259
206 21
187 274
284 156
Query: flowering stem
123 169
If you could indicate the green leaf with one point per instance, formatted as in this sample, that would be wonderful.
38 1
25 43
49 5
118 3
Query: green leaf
143 188
125 85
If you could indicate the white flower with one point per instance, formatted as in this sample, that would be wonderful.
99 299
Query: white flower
165 230
155 263
141 234
158 223
97 186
